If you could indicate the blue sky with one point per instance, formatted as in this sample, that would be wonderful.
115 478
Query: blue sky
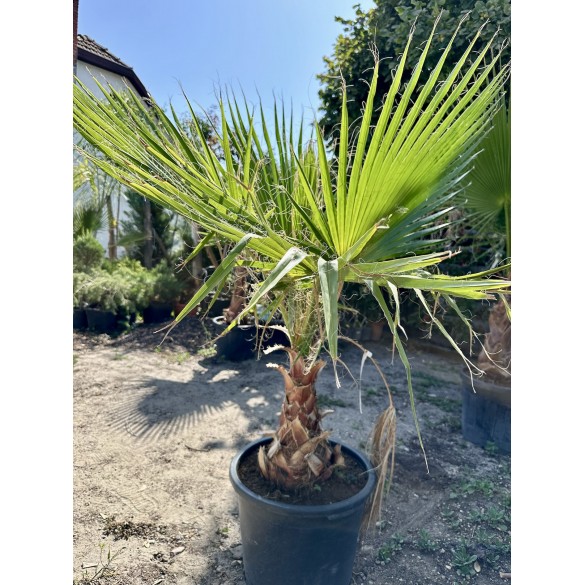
265 45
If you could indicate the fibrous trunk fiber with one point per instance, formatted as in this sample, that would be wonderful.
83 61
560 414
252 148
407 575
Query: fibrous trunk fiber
299 454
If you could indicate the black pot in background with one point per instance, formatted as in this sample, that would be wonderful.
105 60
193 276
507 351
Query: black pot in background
101 321
486 415
240 343
217 308
79 319
157 313
126 319
299 544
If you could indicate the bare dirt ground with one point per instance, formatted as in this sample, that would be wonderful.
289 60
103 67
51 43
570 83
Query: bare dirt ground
155 429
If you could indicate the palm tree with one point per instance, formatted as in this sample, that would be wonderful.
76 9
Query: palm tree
88 207
97 199
488 201
306 222
148 231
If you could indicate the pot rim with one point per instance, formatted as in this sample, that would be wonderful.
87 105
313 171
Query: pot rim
220 320
501 393
306 510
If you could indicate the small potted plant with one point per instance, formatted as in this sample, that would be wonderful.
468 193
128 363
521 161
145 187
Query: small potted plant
306 223
138 285
88 255
105 297
80 283
114 294
165 290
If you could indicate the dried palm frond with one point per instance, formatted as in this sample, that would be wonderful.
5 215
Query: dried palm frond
381 448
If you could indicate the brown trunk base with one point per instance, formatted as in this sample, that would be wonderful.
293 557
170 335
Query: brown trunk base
343 483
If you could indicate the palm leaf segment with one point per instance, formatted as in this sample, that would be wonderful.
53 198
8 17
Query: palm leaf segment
304 220
488 197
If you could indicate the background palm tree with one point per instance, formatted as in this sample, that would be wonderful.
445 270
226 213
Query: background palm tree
97 198
147 230
488 202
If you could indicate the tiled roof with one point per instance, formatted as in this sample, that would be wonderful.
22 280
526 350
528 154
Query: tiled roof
95 54
84 42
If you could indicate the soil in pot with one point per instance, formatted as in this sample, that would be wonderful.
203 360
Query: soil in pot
344 483
304 544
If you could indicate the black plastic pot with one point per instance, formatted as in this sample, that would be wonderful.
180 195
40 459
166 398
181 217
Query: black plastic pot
486 414
217 308
157 313
299 544
237 345
125 320
79 319
101 321
240 343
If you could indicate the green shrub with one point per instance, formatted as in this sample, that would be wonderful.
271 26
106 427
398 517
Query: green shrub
125 286
81 282
107 292
119 287
167 288
137 283
88 253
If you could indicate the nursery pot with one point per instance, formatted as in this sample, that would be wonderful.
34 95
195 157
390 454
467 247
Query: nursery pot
377 329
486 414
179 306
101 321
293 544
157 312
79 319
237 345
240 343
218 307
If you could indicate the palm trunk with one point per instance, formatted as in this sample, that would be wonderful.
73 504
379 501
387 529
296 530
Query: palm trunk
148 237
238 295
112 244
197 263
299 454
495 358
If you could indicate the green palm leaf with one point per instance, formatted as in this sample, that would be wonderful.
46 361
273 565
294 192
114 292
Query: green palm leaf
489 194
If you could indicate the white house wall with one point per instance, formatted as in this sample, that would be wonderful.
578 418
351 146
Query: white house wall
86 74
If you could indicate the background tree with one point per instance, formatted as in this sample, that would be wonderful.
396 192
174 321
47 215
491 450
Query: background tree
147 231
386 27
97 200
88 208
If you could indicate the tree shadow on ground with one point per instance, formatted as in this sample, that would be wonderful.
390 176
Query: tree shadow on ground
156 408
